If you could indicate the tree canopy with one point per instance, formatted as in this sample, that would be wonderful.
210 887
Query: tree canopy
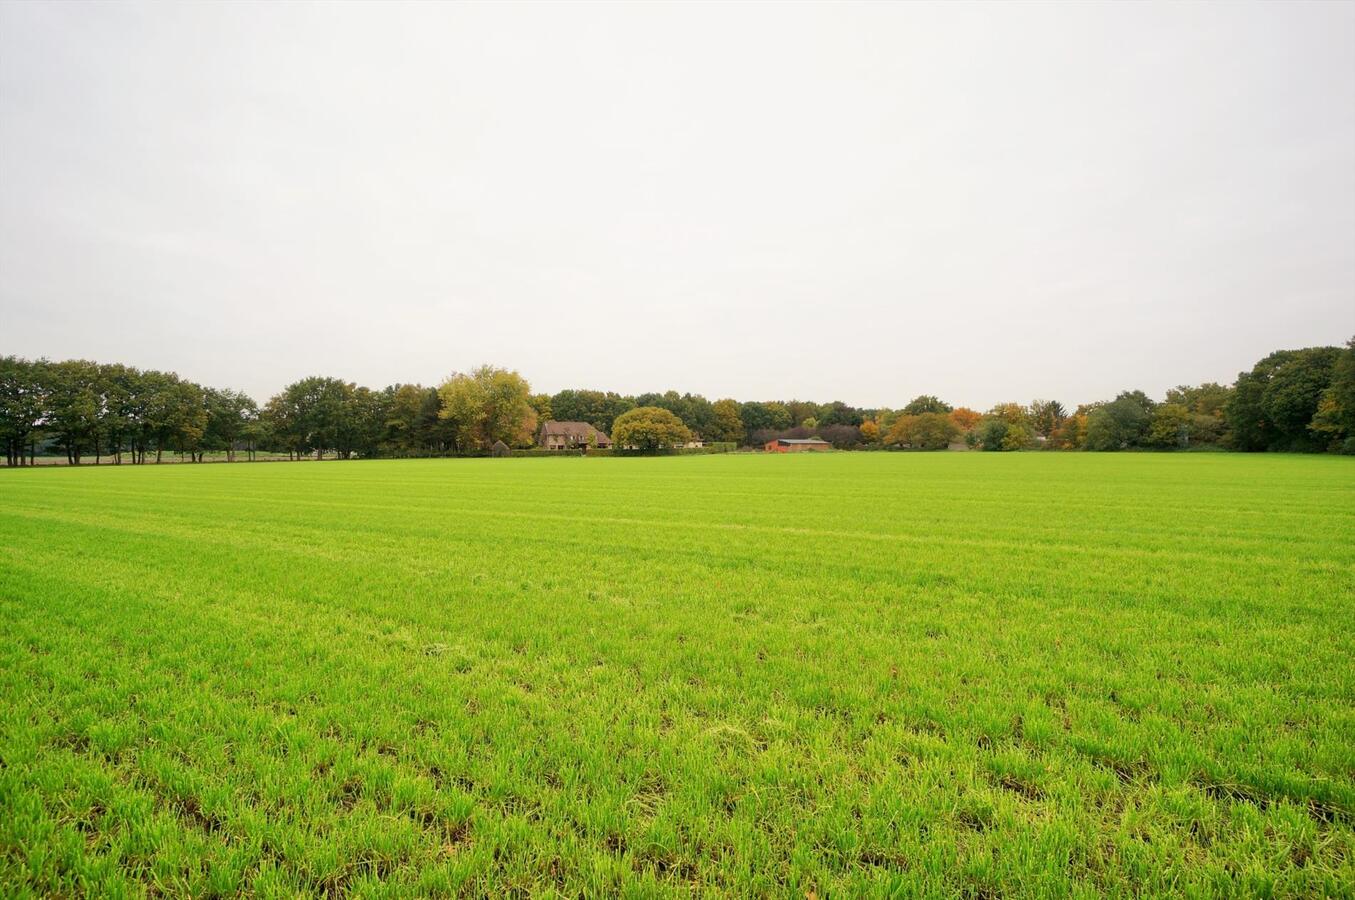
488 404
932 430
1292 400
649 428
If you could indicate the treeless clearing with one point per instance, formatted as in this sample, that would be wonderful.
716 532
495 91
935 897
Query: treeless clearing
846 674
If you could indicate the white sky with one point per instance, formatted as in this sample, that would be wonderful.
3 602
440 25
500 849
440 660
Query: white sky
855 202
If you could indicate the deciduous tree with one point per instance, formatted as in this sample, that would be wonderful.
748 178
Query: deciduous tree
1121 423
1334 421
23 406
1046 416
965 418
726 424
649 428
1273 404
228 412
924 431
926 403
485 405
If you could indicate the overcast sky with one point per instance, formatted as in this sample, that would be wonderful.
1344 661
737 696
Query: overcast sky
855 202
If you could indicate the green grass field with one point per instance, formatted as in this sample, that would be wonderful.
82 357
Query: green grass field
840 675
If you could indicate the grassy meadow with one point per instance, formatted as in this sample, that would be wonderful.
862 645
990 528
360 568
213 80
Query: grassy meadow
829 675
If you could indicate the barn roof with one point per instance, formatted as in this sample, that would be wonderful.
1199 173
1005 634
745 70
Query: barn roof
801 441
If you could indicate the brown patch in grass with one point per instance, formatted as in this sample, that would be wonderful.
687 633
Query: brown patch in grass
190 810
971 819
881 859
1322 811
349 792
1128 771
666 864
1021 787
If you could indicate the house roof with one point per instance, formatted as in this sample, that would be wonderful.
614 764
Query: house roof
578 430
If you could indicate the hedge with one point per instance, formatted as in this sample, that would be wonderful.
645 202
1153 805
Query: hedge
675 451
538 451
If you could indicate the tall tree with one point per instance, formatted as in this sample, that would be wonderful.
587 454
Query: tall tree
364 422
1005 427
764 417
23 406
485 405
1071 432
75 406
310 415
1046 416
649 428
176 415
1206 404
541 405
726 426
804 409
1169 427
1273 404
926 403
1334 421
597 408
1121 423
404 419
923 431
965 418
228 414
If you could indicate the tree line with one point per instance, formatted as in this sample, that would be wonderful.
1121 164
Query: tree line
1292 400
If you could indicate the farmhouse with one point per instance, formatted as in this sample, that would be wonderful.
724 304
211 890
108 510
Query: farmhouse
796 445
571 436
